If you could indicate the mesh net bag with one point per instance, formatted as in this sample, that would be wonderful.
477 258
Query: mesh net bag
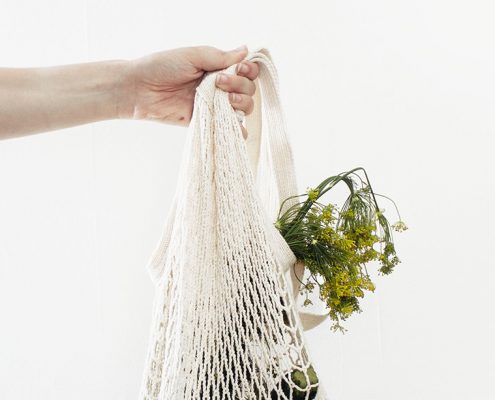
225 323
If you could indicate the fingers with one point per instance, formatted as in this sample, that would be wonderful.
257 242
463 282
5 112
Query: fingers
240 88
248 69
235 83
242 102
209 58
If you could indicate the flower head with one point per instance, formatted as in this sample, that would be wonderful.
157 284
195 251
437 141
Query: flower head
399 226
313 194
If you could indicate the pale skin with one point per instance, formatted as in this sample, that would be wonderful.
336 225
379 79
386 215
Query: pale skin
159 87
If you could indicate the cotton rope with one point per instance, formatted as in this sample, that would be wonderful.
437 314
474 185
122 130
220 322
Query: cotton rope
225 323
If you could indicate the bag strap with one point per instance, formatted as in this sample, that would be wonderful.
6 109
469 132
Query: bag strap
275 172
272 161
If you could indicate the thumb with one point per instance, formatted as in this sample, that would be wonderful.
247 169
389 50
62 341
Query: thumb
210 58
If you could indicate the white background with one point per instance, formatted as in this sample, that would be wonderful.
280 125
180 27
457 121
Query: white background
404 89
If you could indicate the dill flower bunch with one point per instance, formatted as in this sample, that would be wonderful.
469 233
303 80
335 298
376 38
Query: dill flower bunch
335 245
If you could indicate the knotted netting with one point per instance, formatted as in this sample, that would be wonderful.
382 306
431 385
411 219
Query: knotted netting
225 320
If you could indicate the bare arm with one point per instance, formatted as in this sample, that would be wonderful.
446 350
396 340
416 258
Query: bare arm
160 86
36 100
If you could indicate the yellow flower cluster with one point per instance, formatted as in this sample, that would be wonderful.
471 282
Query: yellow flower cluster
336 245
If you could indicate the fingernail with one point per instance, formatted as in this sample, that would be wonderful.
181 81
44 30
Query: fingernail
235 97
242 68
221 78
239 49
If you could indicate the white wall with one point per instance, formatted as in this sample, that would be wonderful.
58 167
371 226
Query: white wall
402 88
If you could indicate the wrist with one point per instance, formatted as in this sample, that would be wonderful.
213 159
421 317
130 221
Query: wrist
122 88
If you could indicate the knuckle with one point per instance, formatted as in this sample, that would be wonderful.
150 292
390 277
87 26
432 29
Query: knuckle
204 47
198 50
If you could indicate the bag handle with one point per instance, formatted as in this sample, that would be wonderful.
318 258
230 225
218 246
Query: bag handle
272 162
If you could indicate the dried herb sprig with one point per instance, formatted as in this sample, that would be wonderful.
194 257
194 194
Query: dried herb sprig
335 245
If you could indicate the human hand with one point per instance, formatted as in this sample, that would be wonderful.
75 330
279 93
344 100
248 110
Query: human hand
163 85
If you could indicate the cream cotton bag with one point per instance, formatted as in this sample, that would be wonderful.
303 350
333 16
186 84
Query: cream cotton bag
225 322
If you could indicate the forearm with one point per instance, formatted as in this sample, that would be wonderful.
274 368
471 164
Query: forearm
34 100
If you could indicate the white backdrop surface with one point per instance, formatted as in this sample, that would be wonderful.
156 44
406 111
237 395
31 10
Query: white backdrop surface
404 89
